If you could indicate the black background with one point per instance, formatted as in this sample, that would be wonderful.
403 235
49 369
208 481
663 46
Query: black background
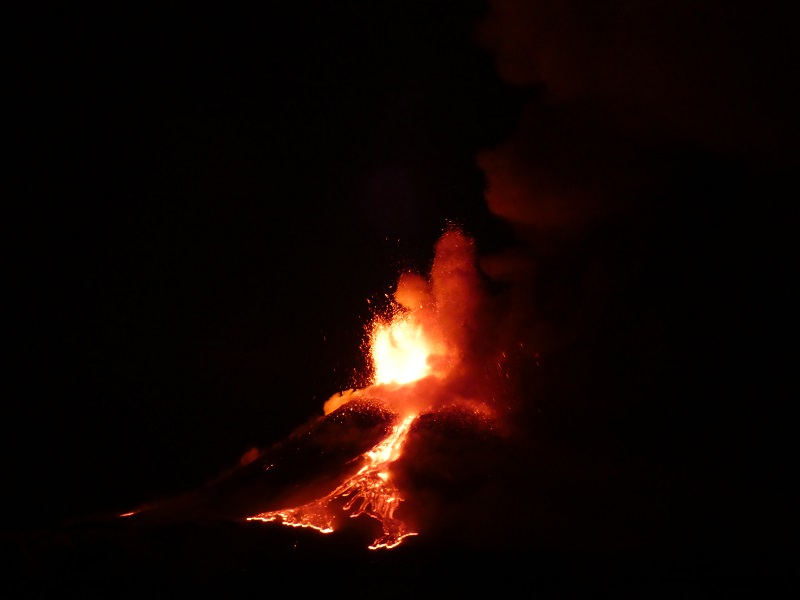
203 202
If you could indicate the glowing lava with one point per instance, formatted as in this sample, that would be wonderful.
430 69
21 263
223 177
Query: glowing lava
400 351
369 492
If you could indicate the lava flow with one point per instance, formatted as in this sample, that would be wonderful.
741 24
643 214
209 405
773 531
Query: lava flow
416 356
370 492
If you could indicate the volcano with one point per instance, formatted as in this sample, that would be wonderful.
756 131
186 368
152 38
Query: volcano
413 456
450 475
324 475
433 474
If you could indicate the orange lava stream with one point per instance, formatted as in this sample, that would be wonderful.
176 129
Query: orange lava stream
369 492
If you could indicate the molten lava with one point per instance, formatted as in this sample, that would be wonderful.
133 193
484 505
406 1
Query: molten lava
370 492
400 351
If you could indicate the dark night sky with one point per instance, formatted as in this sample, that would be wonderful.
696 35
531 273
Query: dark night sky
204 202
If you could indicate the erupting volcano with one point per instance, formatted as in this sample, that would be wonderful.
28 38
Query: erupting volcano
417 356
401 297
434 373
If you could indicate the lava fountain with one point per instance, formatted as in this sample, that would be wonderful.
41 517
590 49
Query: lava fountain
417 356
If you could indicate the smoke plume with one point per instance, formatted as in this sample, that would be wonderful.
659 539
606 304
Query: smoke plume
647 187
